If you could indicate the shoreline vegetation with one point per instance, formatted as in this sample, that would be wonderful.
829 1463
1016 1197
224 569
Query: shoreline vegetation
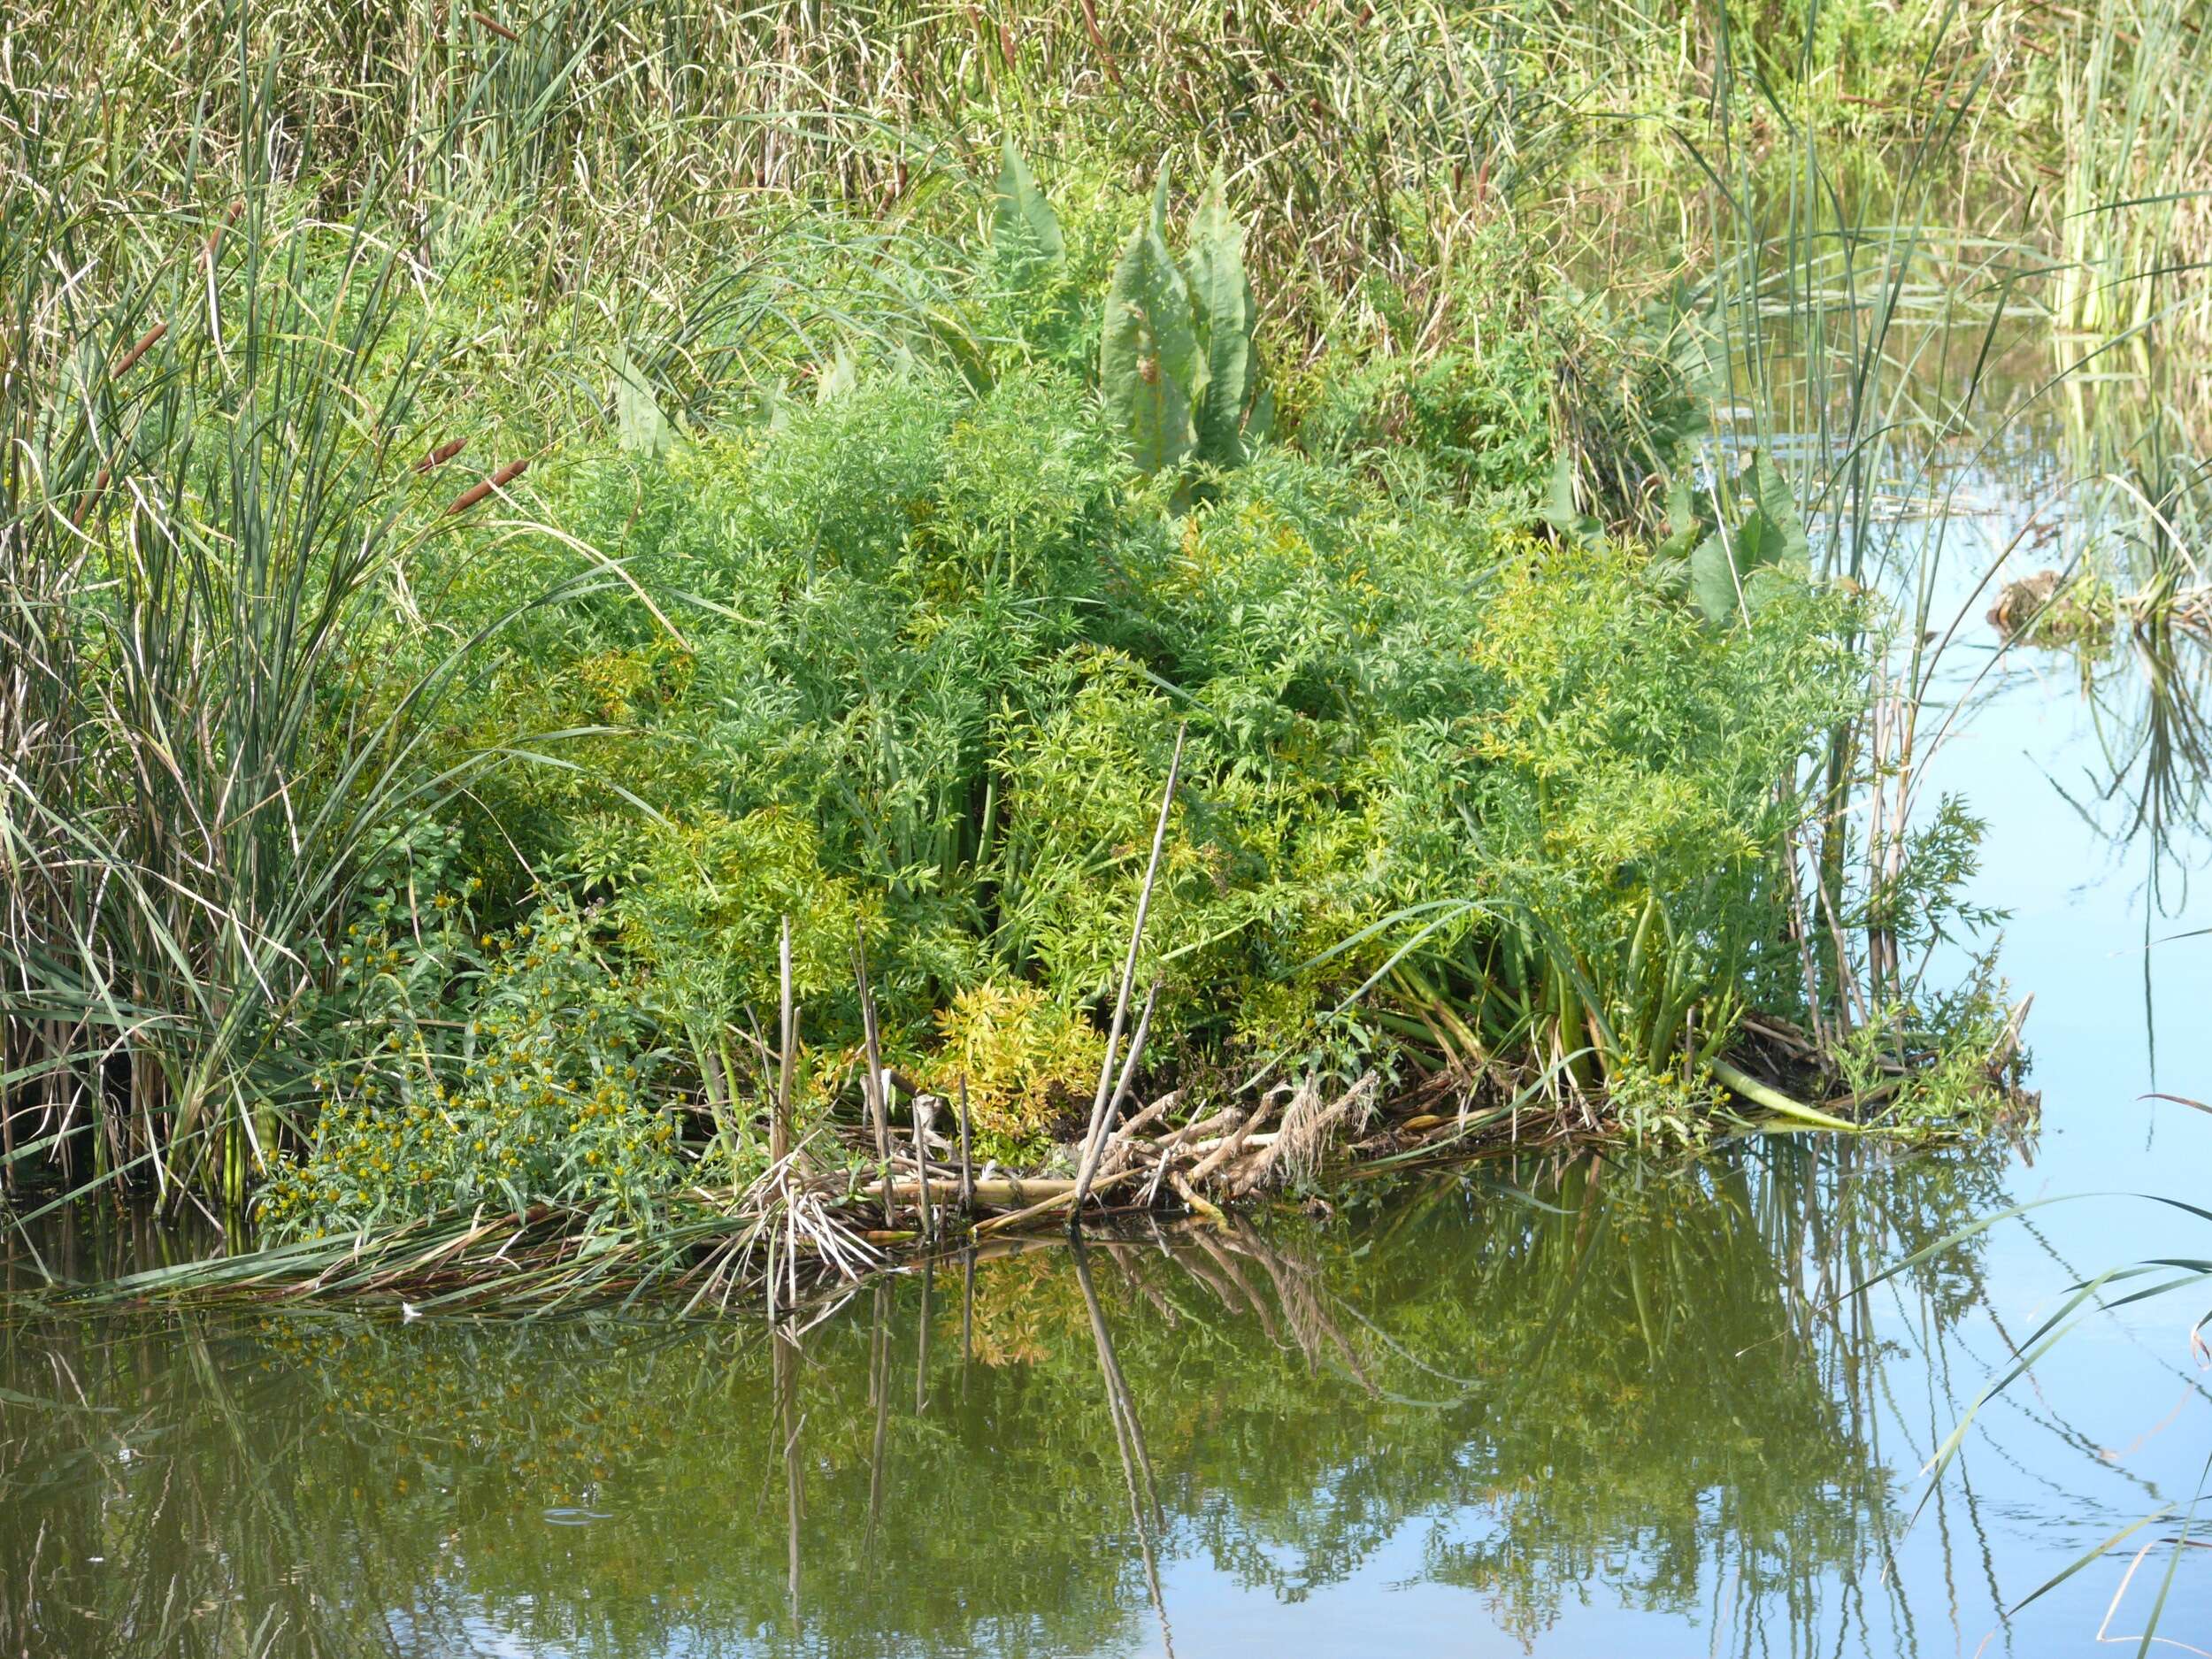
644 653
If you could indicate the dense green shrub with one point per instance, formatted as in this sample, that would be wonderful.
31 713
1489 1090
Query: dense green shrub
937 656
549 1097
1022 1059
906 663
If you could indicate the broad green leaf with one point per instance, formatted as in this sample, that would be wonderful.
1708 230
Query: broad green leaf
1149 371
1022 221
638 424
1214 265
1734 573
1764 482
1713 580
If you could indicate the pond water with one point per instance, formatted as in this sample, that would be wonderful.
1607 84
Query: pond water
1593 1410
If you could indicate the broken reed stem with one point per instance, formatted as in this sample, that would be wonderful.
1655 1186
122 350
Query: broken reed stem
871 1090
1186 1134
967 1168
1232 1143
1094 1137
1097 1149
1054 1200
921 1168
788 1038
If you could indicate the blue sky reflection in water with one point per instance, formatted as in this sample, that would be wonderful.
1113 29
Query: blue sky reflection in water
1593 1410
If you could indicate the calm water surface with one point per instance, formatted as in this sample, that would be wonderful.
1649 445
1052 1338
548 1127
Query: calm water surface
1596 1410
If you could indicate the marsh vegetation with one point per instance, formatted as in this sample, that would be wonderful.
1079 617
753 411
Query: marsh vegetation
602 623
657 656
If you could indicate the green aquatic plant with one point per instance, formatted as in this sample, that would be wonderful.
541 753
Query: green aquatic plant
912 659
547 1098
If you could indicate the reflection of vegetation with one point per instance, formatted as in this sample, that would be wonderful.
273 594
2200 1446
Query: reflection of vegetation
2134 605
1625 1376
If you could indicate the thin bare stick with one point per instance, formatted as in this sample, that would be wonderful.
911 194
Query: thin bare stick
967 1168
923 1104
1104 1096
780 1116
871 1089
1096 1147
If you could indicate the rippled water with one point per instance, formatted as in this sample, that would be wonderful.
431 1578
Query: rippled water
1597 1409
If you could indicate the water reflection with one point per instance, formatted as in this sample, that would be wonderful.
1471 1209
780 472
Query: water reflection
2136 543
1654 1391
